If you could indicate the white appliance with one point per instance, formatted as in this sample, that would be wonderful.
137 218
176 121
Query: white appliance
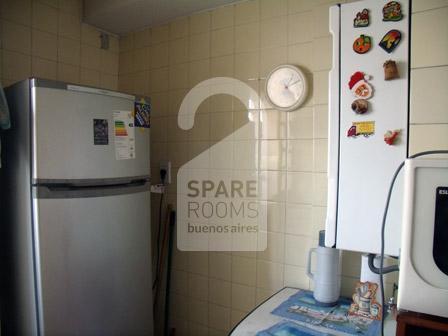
423 281
361 164
75 213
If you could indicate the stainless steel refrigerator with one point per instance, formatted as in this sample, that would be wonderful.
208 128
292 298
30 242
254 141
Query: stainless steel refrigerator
76 247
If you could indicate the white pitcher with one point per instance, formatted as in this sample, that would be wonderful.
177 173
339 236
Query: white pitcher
327 278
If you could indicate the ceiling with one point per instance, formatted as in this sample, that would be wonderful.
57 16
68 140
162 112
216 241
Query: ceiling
123 16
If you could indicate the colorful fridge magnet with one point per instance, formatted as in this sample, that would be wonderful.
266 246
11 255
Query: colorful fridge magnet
362 44
364 301
142 111
390 70
359 86
392 11
390 137
361 19
360 106
365 128
390 41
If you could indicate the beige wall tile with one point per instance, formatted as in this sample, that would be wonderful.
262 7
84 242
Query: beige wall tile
90 77
69 51
274 125
90 36
142 59
320 186
141 82
243 297
199 46
201 128
220 266
69 26
296 250
427 137
140 39
423 39
301 55
200 22
159 55
296 277
273 32
222 66
270 58
159 80
198 287
247 37
272 8
221 125
178 51
320 87
16 37
43 68
299 219
179 28
127 42
90 57
44 45
198 71
244 270
220 292
300 155
222 42
223 17
300 28
198 312
321 19
424 96
322 53
108 62
299 186
320 121
109 81
320 155
422 5
275 250
247 65
71 6
319 217
273 154
198 262
44 17
178 76
300 123
160 34
247 11
219 317
68 73
18 11
295 6
269 275
196 329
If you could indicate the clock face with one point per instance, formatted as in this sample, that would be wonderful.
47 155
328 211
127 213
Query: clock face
286 87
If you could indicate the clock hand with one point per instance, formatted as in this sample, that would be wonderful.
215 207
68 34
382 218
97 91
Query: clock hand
295 82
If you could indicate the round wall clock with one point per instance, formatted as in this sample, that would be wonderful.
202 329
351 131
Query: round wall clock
286 87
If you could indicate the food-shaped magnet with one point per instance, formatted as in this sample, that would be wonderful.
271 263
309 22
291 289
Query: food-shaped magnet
359 86
361 19
392 11
390 70
362 44
390 137
390 41
365 128
360 106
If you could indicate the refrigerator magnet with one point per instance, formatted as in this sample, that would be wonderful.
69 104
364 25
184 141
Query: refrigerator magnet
392 11
359 86
362 44
390 137
360 106
365 128
362 19
390 70
391 40
142 111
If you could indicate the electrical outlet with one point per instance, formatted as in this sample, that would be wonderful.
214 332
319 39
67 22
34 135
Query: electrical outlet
167 166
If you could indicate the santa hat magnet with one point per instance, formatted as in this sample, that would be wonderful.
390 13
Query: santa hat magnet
359 86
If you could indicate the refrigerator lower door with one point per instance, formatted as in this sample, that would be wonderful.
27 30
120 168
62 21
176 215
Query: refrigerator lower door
93 262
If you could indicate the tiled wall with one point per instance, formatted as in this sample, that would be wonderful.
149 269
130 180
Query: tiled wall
45 38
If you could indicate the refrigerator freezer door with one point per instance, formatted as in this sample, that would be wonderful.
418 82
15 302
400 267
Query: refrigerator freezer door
67 141
94 265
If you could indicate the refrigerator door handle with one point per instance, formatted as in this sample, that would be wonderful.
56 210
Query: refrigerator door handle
76 191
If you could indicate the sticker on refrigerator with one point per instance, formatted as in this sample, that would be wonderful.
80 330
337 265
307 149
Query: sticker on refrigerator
124 135
365 128
390 41
361 19
100 132
142 111
392 11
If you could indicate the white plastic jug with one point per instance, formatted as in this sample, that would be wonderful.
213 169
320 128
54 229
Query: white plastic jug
327 278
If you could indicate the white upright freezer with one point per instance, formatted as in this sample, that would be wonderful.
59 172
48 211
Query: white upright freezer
76 212
368 122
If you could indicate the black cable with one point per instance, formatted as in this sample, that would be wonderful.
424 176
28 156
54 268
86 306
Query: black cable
383 224
159 231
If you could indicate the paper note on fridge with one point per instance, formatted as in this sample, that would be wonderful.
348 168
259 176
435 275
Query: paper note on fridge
124 135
